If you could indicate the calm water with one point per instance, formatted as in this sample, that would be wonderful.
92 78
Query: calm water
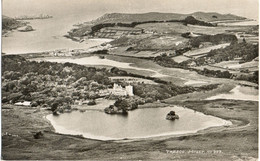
239 93
48 35
95 60
141 123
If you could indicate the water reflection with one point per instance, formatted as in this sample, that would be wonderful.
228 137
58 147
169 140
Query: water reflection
141 123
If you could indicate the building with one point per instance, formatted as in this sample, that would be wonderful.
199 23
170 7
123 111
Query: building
129 90
118 90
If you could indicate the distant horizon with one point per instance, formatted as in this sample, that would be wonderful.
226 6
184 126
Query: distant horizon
92 9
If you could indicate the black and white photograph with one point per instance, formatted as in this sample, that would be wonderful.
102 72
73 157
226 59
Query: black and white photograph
130 80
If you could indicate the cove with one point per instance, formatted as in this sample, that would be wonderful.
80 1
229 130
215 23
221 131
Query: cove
140 123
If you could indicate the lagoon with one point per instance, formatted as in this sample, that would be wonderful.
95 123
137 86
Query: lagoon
239 93
140 123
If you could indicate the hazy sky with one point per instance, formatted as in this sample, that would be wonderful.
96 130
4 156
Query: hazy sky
92 9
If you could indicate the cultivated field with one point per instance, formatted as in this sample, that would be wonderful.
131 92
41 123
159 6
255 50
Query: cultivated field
202 51
180 58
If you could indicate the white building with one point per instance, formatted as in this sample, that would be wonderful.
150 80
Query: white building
118 90
129 90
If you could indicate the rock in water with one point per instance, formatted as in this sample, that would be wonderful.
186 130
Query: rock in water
172 116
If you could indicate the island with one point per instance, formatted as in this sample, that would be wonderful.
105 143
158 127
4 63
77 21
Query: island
27 28
34 17
172 116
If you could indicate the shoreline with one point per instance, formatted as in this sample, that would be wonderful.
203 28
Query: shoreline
243 127
243 115
63 131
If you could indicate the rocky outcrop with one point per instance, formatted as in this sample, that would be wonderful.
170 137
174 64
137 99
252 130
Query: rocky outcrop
193 21
91 103
114 110
27 29
172 116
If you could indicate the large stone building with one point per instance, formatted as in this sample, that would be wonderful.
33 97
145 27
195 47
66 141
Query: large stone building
118 90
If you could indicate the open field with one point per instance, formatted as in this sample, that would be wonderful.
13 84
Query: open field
234 65
202 51
175 75
180 58
212 67
159 42
178 28
138 54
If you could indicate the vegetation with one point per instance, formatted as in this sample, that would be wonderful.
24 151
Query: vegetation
50 84
167 61
215 73
214 39
251 77
131 20
58 86
243 50
246 51
9 24
151 92
193 21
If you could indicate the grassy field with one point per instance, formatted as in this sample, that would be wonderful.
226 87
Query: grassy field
178 28
234 65
200 51
180 58
175 75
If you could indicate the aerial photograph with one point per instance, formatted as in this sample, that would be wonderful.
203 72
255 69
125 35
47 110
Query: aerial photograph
130 80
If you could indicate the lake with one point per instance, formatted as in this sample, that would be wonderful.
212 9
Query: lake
140 123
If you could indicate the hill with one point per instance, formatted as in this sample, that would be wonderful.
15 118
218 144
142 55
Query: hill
156 16
9 23
214 16
132 20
